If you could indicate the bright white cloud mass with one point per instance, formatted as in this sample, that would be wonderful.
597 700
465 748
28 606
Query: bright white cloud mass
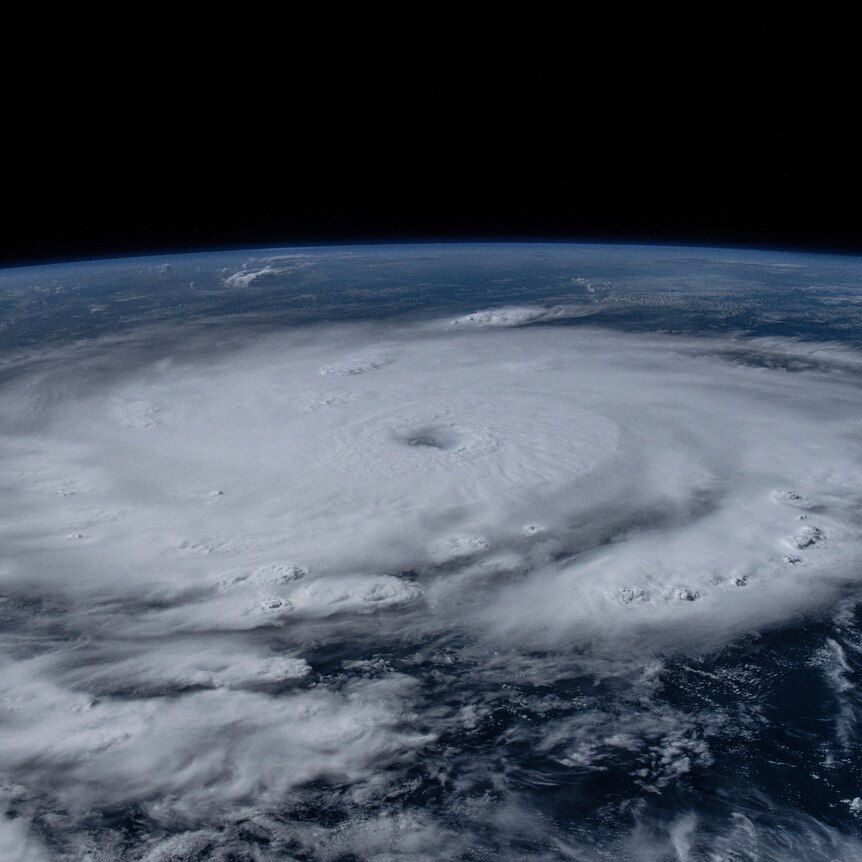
213 545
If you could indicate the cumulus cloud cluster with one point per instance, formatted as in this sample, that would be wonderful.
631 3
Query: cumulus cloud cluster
521 315
200 551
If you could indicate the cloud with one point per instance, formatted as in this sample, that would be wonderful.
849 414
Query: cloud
16 842
521 315
252 270
205 553
205 753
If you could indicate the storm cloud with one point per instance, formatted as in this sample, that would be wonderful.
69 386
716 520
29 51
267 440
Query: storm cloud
212 542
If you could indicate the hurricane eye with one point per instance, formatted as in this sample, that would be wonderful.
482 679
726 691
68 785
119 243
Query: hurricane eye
431 437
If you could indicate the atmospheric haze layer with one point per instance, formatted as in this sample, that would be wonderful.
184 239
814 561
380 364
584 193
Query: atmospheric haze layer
493 583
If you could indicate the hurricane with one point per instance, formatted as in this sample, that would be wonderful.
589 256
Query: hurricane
468 552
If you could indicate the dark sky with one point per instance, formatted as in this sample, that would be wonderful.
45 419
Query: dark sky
710 128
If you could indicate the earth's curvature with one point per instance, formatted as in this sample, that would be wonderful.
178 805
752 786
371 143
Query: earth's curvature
462 552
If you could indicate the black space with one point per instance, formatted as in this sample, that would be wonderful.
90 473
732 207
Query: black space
413 123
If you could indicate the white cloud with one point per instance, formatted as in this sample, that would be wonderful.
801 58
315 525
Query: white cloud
236 513
18 843
521 315
206 753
